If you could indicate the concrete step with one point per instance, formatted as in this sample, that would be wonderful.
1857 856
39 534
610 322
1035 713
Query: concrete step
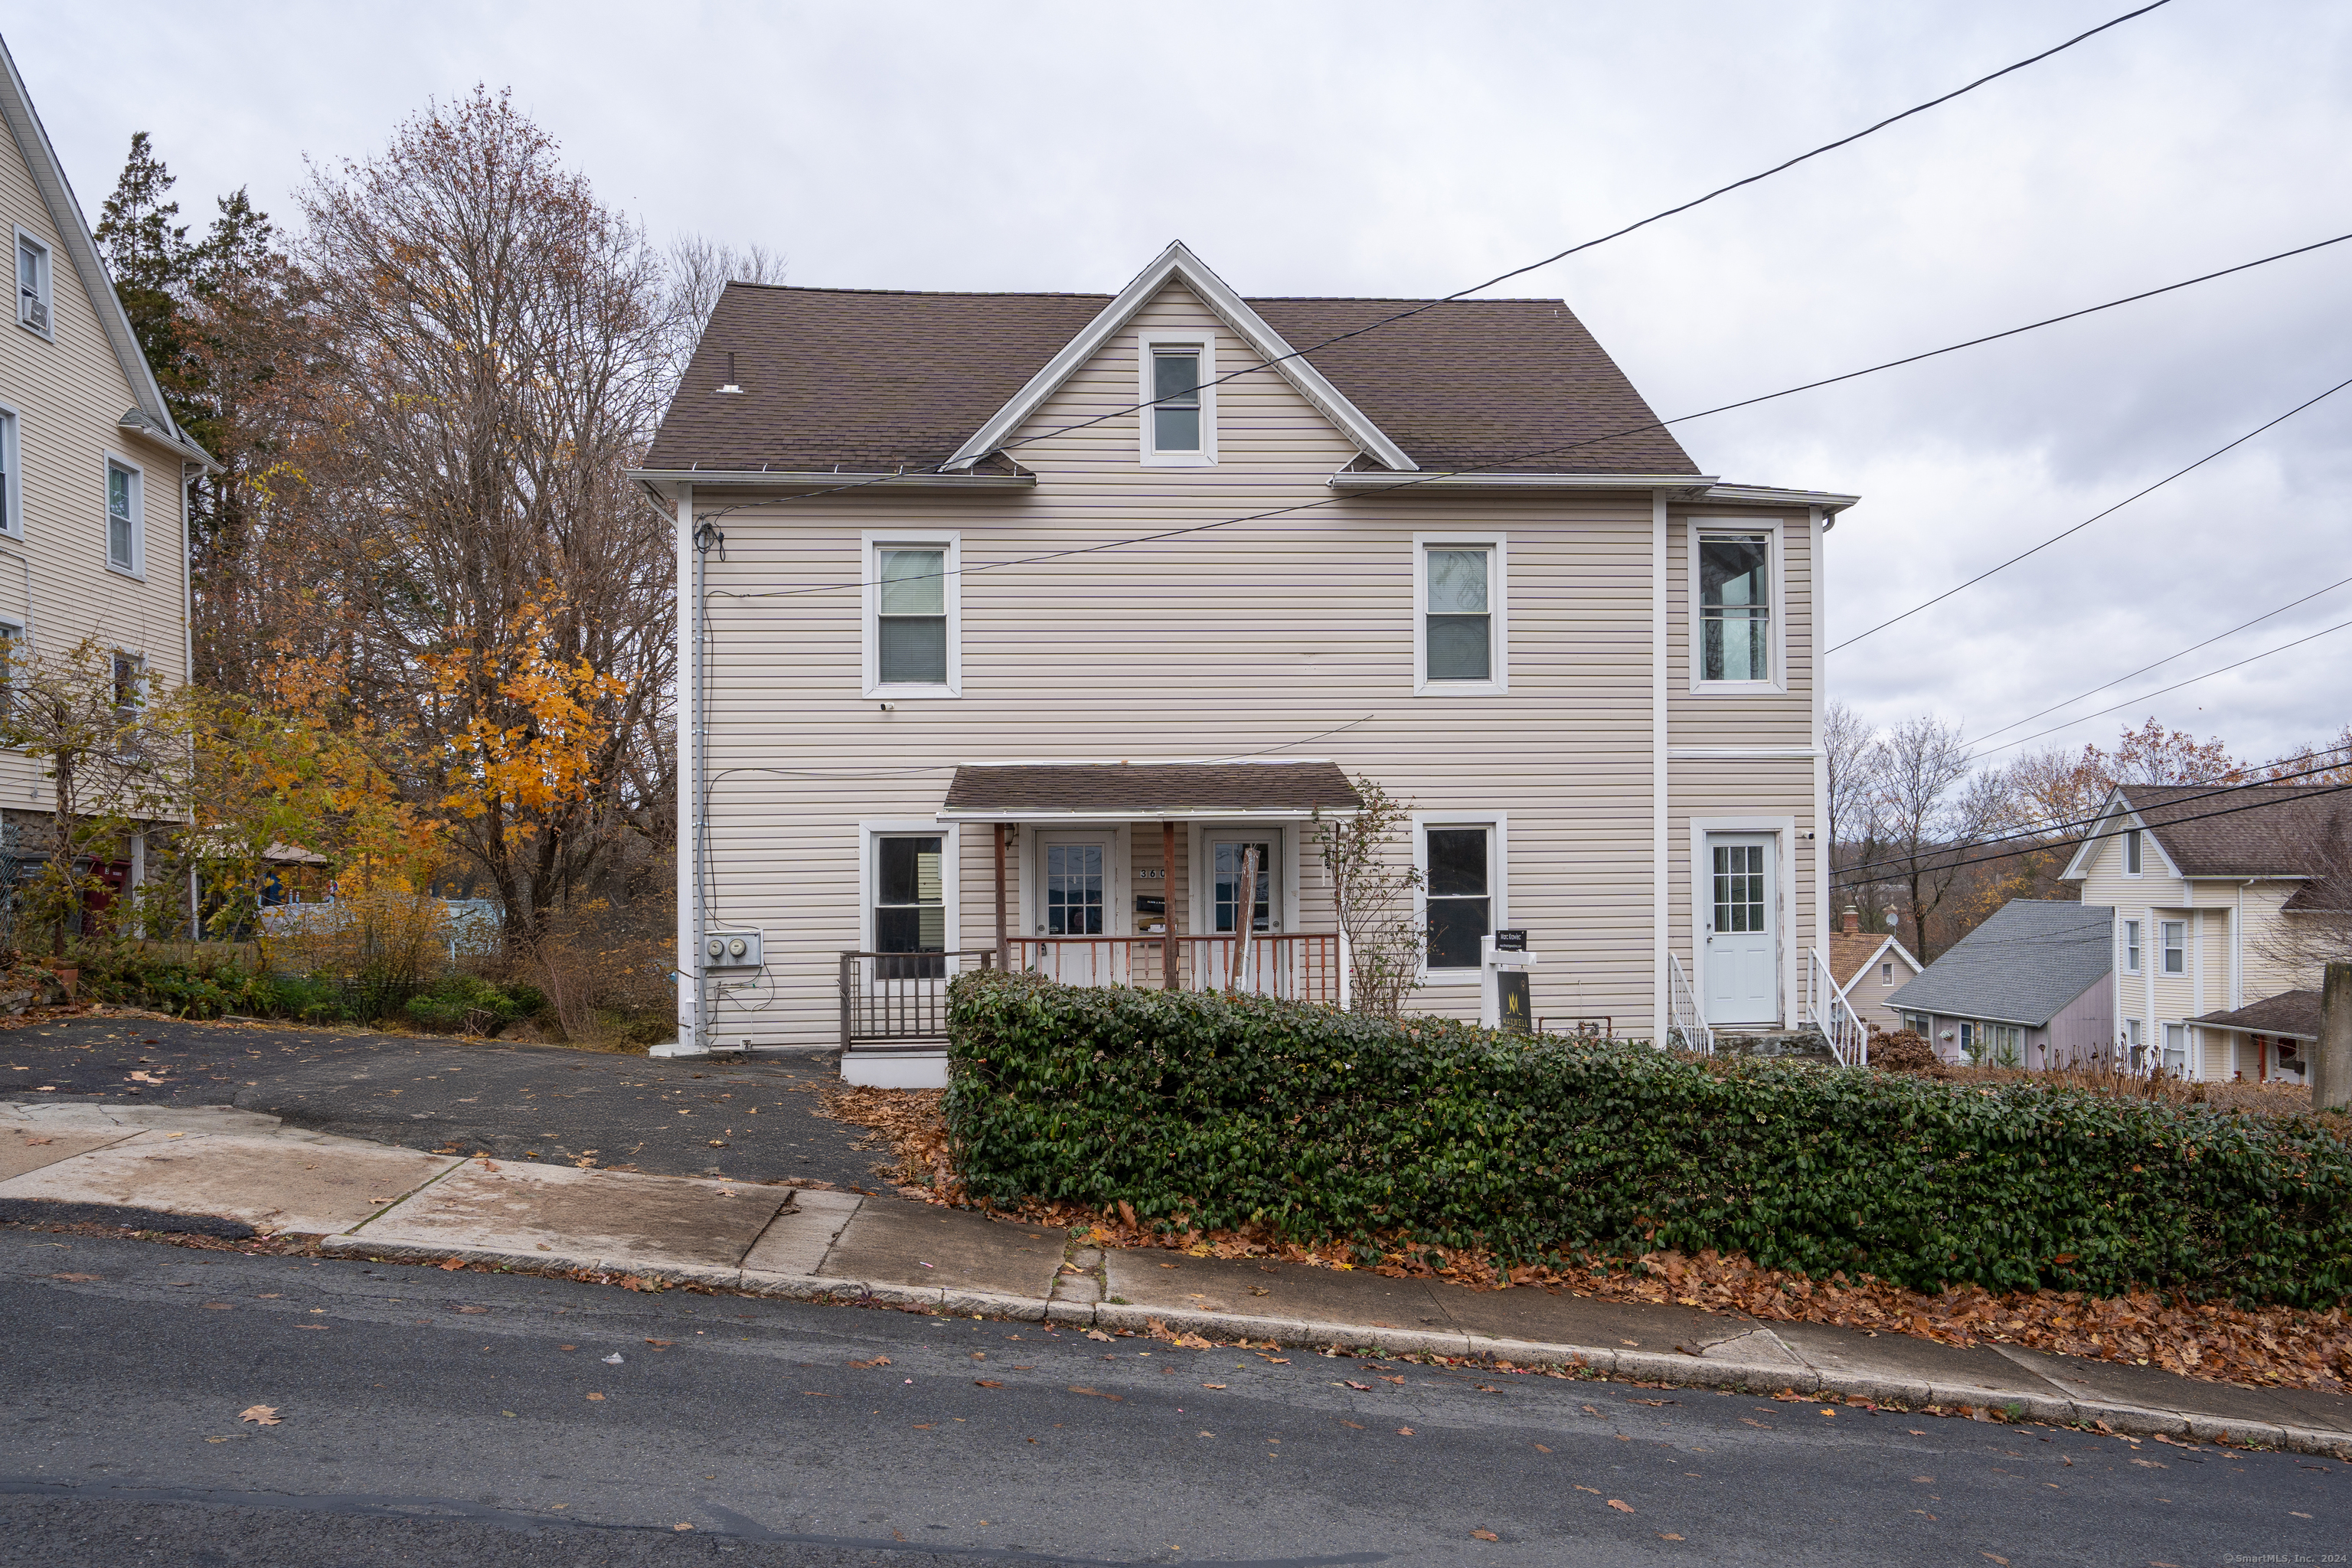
1805 1045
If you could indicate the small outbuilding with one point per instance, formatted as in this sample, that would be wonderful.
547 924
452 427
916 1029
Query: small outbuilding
2028 988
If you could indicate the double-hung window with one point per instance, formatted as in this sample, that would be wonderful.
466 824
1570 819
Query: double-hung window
12 478
910 911
1462 893
1460 644
1178 391
2175 937
2131 947
1886 973
124 520
2175 1049
913 620
35 301
1736 642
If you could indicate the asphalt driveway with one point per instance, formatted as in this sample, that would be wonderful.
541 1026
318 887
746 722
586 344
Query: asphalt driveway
751 1120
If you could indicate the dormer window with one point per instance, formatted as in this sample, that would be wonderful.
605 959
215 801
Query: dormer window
1178 425
2131 851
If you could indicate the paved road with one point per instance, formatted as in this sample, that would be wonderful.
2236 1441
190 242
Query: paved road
751 1121
433 1416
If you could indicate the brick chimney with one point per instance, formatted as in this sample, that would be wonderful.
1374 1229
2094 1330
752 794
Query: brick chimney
1851 923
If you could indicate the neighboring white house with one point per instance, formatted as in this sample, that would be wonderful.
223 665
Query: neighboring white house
2209 887
1869 967
93 472
1037 629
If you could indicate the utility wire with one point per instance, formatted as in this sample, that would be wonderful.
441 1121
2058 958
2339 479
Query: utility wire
2159 691
2088 521
1410 482
2060 829
2167 658
1558 255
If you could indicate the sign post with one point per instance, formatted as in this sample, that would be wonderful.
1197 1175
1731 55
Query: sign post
1506 973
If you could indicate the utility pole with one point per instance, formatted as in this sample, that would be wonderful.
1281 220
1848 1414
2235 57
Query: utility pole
2331 1074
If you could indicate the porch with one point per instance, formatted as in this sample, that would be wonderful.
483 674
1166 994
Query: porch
1168 875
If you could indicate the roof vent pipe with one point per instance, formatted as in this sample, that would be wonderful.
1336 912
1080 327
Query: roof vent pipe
732 384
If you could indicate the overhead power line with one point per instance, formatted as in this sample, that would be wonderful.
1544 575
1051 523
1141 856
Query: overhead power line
1412 480
2167 658
2058 829
1660 217
2068 532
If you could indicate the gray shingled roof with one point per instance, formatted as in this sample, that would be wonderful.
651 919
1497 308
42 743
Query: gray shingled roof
2021 966
870 379
2255 830
2291 1013
1149 789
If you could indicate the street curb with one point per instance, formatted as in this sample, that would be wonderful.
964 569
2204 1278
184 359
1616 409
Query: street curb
1598 1360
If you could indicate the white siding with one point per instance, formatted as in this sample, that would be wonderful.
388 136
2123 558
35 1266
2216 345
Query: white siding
1288 636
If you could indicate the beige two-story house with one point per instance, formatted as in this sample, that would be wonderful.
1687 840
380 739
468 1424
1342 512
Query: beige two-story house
94 472
1041 629
2218 894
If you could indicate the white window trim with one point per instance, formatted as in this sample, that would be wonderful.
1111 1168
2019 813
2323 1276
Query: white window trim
1499 880
2164 949
1776 542
871 544
950 867
1205 340
1499 583
48 290
1786 903
12 448
138 567
1199 874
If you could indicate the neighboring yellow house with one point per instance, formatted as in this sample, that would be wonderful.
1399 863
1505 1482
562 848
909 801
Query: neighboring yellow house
93 530
1037 628
2214 889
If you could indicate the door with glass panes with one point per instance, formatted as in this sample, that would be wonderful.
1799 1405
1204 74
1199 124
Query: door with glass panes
1740 943
1076 906
1245 884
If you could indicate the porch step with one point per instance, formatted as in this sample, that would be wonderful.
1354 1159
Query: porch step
1805 1045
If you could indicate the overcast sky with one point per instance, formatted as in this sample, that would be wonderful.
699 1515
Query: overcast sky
1412 150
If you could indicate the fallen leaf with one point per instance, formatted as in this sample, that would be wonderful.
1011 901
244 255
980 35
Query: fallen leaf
77 1278
1541 1449
2151 1464
1358 1387
1097 1393
1386 1378
1483 1535
567 1347
453 1263
1099 1335
473 1310
1663 1536
1404 1431
813 1394
2002 1561
595 1396
869 1365
1594 1490
1215 1385
1621 1507
1357 1424
987 1382
216 1306
1924 1481
261 1416
681 1527
2299 1513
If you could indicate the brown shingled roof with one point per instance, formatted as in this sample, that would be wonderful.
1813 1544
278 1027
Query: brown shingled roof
1149 789
2291 1013
2261 830
869 380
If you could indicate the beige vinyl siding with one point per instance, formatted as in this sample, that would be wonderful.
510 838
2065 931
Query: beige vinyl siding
1716 718
67 394
1286 635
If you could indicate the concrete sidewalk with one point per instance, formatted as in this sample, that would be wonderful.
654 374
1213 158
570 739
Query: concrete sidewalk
368 1200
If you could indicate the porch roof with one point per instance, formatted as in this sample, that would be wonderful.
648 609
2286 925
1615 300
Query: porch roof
1070 792
2294 1014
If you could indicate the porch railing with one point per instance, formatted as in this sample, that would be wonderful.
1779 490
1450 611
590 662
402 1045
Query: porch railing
899 1000
1686 1024
1298 966
1827 1009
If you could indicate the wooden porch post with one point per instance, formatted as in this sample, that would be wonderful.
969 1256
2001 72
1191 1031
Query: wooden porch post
1167 906
1004 952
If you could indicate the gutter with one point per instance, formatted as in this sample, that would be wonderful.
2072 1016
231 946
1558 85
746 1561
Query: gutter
789 480
1686 487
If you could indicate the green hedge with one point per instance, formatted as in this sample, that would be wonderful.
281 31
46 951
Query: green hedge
1322 1125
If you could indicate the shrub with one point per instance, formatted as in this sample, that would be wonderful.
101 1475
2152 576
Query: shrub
467 1004
305 999
204 982
1214 1112
1905 1050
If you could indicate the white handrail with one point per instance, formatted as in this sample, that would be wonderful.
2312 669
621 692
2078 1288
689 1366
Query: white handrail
1681 1003
1827 1009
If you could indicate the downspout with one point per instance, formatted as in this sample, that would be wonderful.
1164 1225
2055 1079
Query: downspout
691 1006
1660 937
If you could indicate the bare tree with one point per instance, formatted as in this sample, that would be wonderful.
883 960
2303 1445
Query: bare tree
1852 756
1934 811
699 272
2315 930
496 345
1372 889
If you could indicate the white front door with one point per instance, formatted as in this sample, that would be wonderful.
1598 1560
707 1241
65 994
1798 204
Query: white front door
1078 897
1741 942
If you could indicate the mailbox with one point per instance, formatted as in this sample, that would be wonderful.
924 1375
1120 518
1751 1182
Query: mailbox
1506 1001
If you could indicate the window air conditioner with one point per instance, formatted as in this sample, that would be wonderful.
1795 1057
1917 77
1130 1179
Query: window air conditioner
37 315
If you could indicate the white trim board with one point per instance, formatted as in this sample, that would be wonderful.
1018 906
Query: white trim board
1777 611
1178 262
1498 881
950 873
1205 344
869 576
1498 620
